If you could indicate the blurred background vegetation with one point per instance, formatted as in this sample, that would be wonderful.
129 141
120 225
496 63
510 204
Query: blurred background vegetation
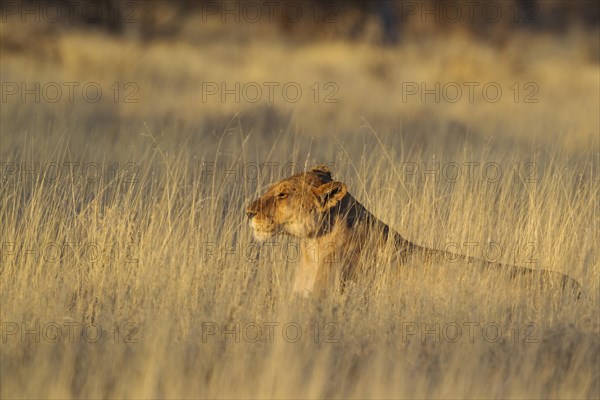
352 60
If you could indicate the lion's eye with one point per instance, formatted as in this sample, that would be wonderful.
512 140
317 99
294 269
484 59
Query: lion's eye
281 195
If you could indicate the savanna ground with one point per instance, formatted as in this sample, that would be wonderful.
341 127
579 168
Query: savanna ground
122 212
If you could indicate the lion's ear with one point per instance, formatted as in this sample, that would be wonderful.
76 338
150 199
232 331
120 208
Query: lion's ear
323 171
321 168
329 194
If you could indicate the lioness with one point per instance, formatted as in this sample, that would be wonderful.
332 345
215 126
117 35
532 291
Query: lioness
335 229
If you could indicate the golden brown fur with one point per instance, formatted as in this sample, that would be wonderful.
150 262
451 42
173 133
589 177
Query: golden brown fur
335 229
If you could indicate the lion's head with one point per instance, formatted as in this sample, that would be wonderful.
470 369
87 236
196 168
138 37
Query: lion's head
297 205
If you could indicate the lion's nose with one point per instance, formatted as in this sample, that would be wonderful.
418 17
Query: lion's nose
251 213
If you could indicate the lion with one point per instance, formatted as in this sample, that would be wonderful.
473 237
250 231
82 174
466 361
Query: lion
334 230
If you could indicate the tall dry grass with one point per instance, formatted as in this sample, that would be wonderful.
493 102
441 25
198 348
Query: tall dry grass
141 235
